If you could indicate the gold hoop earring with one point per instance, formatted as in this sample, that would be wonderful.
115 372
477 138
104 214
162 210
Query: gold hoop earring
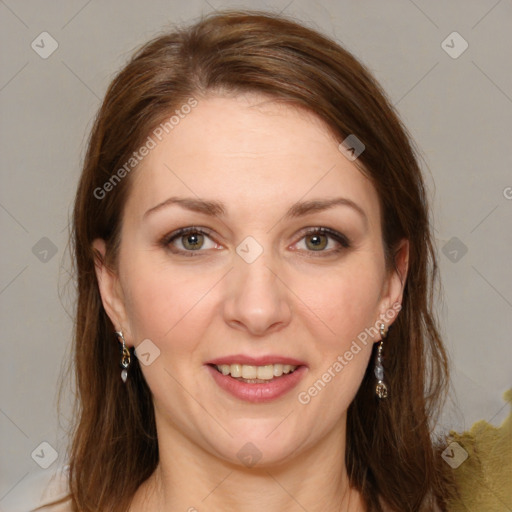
125 356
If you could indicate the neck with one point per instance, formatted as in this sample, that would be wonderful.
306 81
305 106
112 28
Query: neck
189 478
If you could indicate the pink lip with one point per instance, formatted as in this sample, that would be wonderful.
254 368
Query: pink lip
256 361
257 393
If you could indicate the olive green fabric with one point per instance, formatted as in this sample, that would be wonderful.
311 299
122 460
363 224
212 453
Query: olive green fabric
484 478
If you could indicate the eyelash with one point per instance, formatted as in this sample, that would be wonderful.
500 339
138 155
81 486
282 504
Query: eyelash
341 239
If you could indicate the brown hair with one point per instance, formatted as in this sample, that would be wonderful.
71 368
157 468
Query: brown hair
391 458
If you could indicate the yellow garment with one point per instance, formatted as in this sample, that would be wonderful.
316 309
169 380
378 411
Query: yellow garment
484 479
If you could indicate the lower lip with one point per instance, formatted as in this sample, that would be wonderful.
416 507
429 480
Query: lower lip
257 393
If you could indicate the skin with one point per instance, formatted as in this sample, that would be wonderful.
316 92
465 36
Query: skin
296 299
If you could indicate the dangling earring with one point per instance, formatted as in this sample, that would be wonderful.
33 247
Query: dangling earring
381 390
125 356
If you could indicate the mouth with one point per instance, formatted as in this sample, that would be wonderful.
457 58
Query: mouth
256 382
252 374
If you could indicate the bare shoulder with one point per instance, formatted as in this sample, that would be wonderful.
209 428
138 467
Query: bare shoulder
40 489
57 489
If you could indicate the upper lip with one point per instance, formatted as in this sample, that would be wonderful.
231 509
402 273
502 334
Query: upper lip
256 361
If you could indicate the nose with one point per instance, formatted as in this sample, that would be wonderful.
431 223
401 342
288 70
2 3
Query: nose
257 299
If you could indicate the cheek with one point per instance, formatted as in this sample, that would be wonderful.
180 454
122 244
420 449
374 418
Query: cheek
340 303
347 308
344 303
342 312
158 300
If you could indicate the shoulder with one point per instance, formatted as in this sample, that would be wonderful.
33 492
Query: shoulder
37 490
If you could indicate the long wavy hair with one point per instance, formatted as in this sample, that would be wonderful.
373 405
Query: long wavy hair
392 457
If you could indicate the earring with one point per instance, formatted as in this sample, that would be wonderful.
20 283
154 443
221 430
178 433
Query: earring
125 356
381 390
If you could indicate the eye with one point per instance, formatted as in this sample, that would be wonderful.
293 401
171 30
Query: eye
317 240
188 240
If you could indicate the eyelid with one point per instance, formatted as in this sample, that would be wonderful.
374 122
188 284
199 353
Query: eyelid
338 237
170 237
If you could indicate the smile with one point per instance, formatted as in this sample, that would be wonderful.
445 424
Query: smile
256 384
255 374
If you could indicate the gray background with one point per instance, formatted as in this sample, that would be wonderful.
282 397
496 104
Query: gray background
459 111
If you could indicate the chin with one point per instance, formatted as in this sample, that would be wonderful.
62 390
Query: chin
258 449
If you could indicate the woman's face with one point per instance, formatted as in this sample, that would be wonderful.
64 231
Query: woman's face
254 282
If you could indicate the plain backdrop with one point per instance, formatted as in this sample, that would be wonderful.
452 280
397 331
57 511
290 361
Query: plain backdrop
456 102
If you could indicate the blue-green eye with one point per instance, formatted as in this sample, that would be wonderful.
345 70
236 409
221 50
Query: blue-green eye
190 240
317 240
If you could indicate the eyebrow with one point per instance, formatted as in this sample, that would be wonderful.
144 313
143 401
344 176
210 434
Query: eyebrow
217 209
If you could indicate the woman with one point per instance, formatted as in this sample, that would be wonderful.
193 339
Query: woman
255 271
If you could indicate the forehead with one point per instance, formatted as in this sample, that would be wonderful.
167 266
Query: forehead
246 151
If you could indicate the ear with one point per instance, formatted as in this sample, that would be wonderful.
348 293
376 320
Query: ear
110 289
393 289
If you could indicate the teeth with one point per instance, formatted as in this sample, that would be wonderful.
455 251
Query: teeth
265 372
249 372
235 370
245 371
